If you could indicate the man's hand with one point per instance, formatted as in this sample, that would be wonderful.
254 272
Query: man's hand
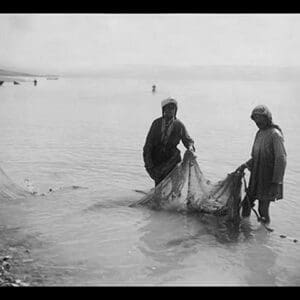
241 168
273 192
191 148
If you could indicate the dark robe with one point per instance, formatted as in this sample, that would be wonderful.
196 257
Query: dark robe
267 164
161 158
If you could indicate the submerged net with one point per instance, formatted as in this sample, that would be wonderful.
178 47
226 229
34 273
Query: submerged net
186 189
9 190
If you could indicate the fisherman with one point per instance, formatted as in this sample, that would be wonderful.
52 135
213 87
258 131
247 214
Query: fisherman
160 152
35 82
153 88
266 165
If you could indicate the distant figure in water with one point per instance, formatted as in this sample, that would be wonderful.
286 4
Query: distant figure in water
153 88
160 152
267 165
35 82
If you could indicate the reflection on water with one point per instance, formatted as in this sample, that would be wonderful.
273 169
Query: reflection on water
170 238
156 236
260 260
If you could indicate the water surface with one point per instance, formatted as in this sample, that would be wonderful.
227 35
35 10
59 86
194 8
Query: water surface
89 132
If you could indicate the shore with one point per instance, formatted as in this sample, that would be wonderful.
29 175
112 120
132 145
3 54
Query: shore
16 263
12 256
7 278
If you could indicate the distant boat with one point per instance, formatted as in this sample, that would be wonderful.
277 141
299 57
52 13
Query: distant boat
52 78
16 82
1 82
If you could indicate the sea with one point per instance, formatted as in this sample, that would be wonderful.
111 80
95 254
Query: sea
77 142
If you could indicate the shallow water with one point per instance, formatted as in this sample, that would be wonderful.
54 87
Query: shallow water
89 132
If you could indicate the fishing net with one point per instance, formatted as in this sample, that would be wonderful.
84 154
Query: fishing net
10 190
186 189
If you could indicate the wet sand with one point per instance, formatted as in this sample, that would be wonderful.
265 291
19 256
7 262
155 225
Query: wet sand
16 262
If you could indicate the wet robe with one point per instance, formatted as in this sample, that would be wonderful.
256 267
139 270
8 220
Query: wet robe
160 158
267 164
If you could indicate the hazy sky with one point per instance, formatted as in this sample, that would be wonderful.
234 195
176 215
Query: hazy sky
67 42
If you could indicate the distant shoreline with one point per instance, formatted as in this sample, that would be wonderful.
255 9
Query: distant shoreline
12 76
155 72
244 73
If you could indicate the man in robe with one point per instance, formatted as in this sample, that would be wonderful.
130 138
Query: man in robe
160 151
266 165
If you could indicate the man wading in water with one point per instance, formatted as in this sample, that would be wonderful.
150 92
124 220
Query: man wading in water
160 151
267 165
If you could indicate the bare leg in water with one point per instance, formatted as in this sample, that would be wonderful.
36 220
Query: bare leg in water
246 209
263 209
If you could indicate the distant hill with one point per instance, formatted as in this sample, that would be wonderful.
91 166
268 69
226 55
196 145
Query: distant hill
12 73
21 74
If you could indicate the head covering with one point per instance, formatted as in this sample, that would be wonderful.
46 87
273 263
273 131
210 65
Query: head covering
169 100
263 110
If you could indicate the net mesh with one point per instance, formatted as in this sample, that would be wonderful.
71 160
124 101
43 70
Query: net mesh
186 189
9 190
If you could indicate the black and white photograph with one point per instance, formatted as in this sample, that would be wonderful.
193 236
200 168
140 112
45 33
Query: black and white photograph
149 149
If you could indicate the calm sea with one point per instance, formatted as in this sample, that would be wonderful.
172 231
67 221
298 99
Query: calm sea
89 132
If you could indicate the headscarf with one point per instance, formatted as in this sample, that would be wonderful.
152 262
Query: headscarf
167 127
263 110
167 101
